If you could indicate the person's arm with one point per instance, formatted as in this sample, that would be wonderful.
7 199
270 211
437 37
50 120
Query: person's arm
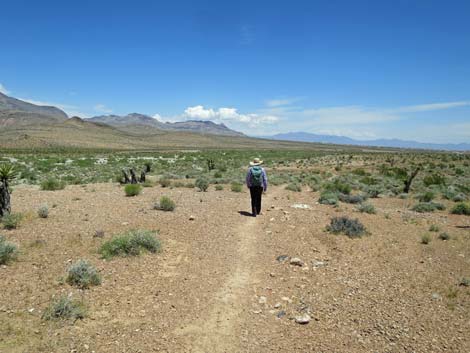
265 181
248 178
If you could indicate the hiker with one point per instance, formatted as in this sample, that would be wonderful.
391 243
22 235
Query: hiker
257 182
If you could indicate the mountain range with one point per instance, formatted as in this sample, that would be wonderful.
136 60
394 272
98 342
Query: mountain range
391 143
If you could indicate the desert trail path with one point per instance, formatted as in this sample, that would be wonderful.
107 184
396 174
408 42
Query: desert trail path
218 330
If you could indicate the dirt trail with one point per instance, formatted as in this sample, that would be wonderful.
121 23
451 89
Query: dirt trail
216 332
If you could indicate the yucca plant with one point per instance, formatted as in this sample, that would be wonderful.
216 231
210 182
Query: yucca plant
7 173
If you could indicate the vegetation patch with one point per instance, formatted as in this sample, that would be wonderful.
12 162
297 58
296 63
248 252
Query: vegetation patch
425 239
354 199
132 189
52 184
424 207
461 208
236 187
64 308
294 187
43 211
350 227
328 198
83 275
8 251
202 184
165 204
130 244
444 236
11 220
366 208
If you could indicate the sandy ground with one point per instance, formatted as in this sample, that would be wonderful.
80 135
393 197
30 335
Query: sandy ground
219 285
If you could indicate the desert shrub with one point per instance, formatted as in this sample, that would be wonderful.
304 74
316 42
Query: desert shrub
11 220
165 204
354 199
147 184
338 186
52 184
373 191
130 244
178 184
460 197
434 179
218 175
64 308
425 239
360 172
43 211
132 189
189 185
423 207
294 187
351 227
464 282
202 184
428 196
461 208
164 182
83 275
366 208
236 187
328 198
219 187
434 228
444 236
8 251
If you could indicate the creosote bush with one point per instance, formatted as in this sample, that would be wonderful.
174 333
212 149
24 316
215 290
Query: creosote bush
132 189
165 204
83 275
51 184
366 208
328 198
219 187
11 220
354 199
164 182
64 308
444 236
8 251
43 211
434 228
425 239
428 196
202 184
423 207
351 227
130 244
294 187
461 208
236 187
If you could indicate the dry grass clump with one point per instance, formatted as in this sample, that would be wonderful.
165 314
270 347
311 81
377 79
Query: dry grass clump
83 275
8 251
130 244
64 308
350 227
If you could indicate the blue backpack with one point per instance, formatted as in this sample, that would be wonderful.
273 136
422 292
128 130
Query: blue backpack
256 176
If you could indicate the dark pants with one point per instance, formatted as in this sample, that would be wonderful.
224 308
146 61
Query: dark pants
256 192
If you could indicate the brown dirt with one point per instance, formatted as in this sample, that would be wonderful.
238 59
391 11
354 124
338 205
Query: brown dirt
385 292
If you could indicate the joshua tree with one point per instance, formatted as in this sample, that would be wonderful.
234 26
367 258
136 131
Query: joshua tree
7 173
210 164
409 180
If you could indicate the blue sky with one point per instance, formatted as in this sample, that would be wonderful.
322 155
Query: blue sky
364 69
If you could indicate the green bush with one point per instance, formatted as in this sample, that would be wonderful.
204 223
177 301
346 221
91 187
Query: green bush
218 175
354 199
434 228
338 186
461 208
52 184
8 251
147 184
236 187
11 220
426 197
423 207
434 179
43 211
294 187
165 204
351 227
219 187
132 189
367 208
444 236
164 182
64 308
328 198
130 244
425 239
83 275
202 184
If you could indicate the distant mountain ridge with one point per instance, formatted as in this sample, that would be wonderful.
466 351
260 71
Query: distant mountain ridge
135 119
343 140
9 105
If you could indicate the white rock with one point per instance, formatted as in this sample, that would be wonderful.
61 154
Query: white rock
303 319
262 300
296 261
301 206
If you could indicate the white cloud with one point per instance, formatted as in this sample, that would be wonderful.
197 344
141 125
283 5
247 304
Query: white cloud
101 108
3 89
282 102
431 107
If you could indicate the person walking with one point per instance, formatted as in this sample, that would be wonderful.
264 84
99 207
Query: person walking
257 182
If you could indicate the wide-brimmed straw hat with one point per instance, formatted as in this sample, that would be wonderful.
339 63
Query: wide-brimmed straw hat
256 161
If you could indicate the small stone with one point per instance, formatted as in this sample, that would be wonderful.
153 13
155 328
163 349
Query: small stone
262 300
271 219
192 218
282 258
281 314
277 305
316 263
303 319
296 262
125 223
436 296
87 347
99 234
286 299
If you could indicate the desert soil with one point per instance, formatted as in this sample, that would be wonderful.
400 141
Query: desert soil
223 282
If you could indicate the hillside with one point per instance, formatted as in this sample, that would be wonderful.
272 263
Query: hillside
9 105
